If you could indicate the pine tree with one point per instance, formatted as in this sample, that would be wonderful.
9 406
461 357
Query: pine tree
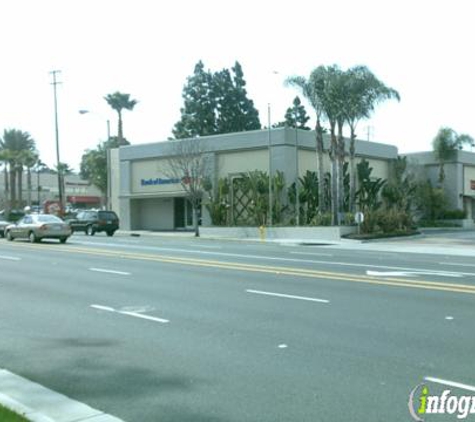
296 116
216 103
237 112
198 113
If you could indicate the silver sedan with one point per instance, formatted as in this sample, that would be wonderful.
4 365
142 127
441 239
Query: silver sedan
39 226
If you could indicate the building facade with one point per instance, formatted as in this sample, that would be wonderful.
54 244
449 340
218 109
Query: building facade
148 197
79 193
459 182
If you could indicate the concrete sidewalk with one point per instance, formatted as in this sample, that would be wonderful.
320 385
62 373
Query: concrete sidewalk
435 243
40 404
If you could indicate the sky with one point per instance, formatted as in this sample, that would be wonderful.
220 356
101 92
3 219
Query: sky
147 49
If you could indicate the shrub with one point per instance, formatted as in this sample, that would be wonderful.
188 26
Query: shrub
454 215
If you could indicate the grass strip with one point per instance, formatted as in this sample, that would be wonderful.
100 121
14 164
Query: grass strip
7 415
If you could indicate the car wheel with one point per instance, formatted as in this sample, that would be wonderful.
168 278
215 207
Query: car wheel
32 237
9 236
110 233
90 231
63 239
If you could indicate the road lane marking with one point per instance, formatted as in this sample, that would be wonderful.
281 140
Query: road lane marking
312 253
137 315
454 264
102 270
103 308
260 257
287 296
132 314
288 271
411 273
450 383
10 258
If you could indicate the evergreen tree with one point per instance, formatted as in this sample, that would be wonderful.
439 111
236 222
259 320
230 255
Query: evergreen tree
216 103
296 116
198 113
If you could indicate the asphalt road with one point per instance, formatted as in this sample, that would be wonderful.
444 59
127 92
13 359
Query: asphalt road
178 329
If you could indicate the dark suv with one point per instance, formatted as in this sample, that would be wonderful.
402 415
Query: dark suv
91 222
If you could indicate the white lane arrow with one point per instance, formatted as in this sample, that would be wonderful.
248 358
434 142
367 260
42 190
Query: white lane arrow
411 273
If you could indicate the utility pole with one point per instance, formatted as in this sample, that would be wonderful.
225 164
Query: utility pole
269 143
297 170
58 162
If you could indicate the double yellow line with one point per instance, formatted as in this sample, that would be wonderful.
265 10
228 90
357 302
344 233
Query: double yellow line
285 271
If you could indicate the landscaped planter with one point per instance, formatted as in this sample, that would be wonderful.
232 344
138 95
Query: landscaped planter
310 234
466 223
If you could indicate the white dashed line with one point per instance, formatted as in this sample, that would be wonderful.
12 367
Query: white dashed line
132 314
312 253
101 270
10 258
450 383
310 299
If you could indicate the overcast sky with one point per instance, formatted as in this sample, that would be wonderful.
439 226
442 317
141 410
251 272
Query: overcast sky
147 49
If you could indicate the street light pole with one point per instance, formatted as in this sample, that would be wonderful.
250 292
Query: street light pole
297 170
270 163
58 162
108 164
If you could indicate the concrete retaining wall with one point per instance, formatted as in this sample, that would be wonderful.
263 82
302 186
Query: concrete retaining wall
313 234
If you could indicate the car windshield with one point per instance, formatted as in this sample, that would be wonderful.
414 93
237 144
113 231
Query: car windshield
48 219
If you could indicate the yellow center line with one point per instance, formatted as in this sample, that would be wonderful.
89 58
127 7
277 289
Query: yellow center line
298 272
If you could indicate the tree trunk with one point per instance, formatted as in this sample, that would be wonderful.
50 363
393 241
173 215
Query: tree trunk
320 170
341 162
12 186
195 219
20 185
28 182
334 175
120 133
5 175
352 170
441 173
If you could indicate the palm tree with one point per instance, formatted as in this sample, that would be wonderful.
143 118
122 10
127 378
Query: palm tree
363 92
445 145
31 159
4 159
16 144
119 102
312 90
39 167
332 101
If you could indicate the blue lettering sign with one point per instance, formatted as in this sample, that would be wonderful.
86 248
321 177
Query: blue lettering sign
158 181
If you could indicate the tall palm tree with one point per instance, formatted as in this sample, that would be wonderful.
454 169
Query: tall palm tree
312 90
16 144
363 92
119 102
445 145
4 159
31 159
332 103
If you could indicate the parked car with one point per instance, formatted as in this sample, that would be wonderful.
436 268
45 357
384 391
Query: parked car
3 224
36 227
91 222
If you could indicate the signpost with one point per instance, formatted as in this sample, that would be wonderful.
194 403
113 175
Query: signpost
359 218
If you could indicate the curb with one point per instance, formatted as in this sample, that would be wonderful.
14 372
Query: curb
40 404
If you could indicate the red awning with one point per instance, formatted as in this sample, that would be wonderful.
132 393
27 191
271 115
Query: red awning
83 199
